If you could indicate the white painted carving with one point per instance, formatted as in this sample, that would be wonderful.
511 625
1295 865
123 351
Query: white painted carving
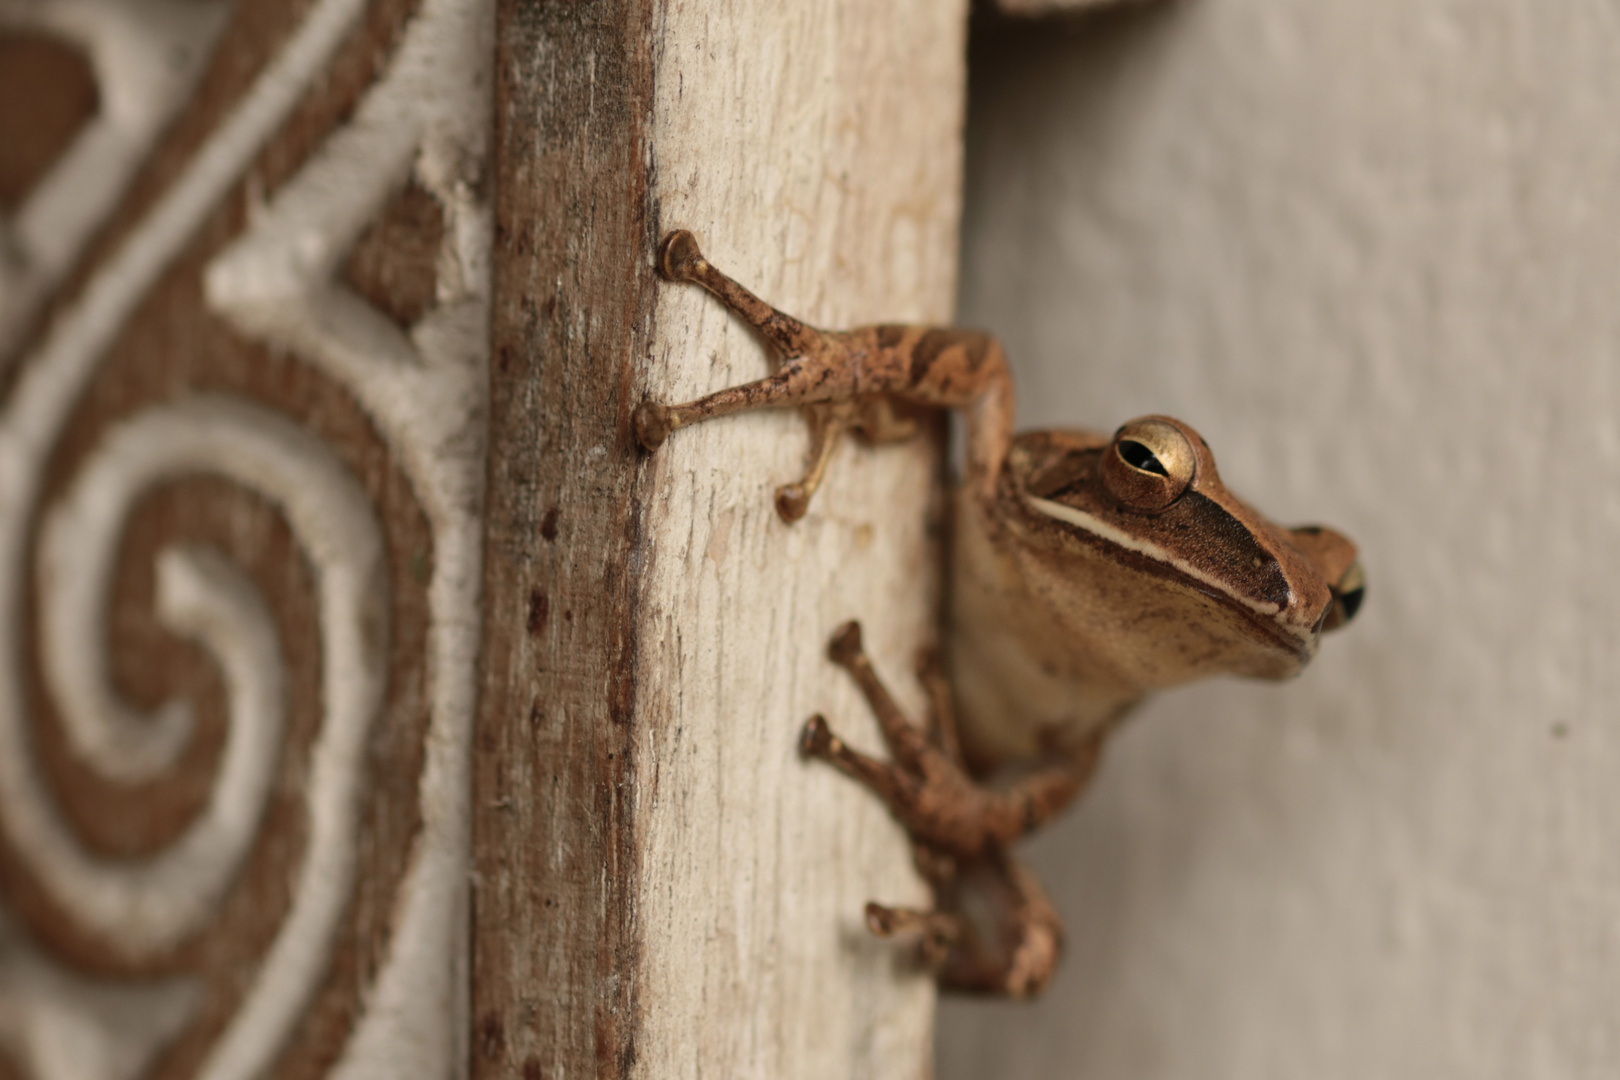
59 1025
145 56
426 391
152 904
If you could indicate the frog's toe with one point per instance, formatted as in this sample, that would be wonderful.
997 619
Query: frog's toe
792 501
652 425
679 257
845 646
816 738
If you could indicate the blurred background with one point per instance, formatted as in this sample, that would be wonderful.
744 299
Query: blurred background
1371 250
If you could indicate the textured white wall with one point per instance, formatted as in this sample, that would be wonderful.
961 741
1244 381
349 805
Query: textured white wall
1371 248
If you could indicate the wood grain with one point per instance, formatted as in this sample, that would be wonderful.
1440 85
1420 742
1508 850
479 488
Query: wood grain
664 888
555 937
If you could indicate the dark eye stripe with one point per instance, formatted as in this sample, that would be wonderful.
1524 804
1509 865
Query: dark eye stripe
1230 550
1230 562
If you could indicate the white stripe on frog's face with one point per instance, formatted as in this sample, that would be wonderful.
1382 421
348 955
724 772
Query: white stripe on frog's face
1104 531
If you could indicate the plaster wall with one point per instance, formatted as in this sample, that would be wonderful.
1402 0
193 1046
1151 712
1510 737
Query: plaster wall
1371 249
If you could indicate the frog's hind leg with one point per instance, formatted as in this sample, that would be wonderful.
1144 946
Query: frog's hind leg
910 747
939 932
1024 946
941 727
893 785
926 787
960 831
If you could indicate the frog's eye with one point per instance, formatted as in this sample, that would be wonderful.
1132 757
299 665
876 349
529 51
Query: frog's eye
1148 465
1348 593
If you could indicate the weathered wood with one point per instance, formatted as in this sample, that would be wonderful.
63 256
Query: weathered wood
556 947
664 888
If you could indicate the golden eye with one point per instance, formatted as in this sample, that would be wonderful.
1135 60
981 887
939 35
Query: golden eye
1148 465
1348 593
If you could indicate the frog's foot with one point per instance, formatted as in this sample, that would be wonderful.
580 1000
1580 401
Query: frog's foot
961 831
652 425
679 259
939 931
816 368
654 422
1020 954
1024 945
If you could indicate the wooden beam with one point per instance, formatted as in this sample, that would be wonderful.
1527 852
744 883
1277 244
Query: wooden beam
664 889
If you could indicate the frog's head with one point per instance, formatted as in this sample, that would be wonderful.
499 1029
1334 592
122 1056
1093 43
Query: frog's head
1236 592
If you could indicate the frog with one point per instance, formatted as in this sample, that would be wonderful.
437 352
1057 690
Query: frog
1085 571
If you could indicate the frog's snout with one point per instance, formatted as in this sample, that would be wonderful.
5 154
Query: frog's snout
1335 558
1348 593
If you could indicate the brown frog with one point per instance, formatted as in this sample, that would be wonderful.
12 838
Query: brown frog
1085 571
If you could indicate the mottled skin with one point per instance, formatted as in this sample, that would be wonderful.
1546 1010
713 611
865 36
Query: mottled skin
1086 571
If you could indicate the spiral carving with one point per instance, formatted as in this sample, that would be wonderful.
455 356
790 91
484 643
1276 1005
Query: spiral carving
423 388
153 904
146 54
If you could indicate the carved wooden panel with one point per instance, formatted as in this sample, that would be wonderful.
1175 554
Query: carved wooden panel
370 706
244 303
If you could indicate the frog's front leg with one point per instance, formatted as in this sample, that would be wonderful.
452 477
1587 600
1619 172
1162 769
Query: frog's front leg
962 831
840 377
827 423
